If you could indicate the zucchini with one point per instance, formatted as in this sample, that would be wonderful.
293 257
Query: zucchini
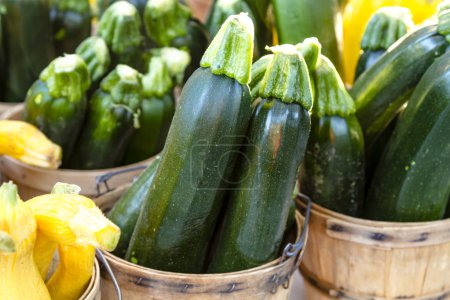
56 102
385 27
120 27
383 89
178 218
296 20
333 170
126 211
412 181
176 61
29 44
156 108
71 24
111 120
259 204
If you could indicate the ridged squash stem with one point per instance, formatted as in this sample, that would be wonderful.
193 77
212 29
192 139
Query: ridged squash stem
444 19
287 78
19 276
66 77
95 53
157 82
385 27
26 143
258 71
73 273
120 27
176 61
231 51
310 49
166 20
331 96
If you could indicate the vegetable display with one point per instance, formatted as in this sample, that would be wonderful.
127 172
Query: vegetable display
179 215
258 207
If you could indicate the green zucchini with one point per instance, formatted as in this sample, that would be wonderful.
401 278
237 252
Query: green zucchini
259 204
296 20
157 104
56 102
333 170
169 23
126 211
29 44
71 24
176 61
385 27
412 181
383 89
111 120
120 27
178 219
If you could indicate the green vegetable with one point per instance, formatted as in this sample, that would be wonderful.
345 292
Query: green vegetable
71 24
120 27
383 89
176 61
29 44
412 181
385 27
179 216
296 20
259 204
157 110
112 117
333 170
104 4
169 23
126 211
263 25
56 102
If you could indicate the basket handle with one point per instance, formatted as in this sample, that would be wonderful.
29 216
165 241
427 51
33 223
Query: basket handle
105 263
104 178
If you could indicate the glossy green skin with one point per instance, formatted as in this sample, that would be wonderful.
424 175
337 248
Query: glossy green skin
381 90
259 204
297 20
70 28
196 40
29 44
333 170
412 181
59 119
366 60
105 135
145 142
176 225
126 211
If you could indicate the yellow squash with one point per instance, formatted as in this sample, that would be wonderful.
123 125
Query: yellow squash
358 12
19 276
26 143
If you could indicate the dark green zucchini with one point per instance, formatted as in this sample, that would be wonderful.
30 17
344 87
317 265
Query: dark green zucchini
333 170
120 27
156 113
174 27
71 24
178 219
29 44
385 27
95 54
265 175
56 103
381 91
126 211
111 120
412 181
297 20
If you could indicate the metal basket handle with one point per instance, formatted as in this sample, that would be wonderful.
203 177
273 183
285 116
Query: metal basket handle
104 178
105 263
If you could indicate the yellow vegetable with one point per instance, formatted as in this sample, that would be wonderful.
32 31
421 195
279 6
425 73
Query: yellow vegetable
19 276
26 143
356 16
7 244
